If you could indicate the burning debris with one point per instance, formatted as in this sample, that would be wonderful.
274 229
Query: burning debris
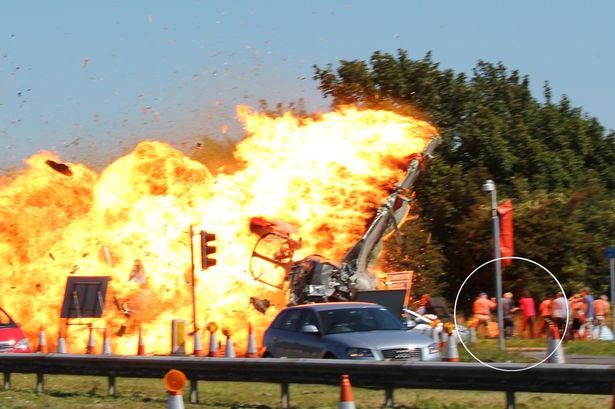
122 306
137 274
107 256
316 279
260 304
59 167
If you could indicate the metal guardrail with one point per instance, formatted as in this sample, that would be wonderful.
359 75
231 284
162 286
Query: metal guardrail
387 375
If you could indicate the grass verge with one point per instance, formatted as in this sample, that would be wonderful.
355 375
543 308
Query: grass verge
590 348
487 350
72 392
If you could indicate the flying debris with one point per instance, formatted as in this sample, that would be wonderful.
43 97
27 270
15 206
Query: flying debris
59 167
261 304
122 306
138 274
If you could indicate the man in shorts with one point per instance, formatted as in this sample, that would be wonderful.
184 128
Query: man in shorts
482 312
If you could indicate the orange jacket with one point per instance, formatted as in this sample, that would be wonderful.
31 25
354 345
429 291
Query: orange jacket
483 306
545 308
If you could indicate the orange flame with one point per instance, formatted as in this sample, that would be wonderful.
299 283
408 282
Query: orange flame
132 223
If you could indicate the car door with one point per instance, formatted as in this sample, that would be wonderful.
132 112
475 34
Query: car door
283 335
308 345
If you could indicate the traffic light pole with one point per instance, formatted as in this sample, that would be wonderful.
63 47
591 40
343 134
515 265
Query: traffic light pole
206 262
192 279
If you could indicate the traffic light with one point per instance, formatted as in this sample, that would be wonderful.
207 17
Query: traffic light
207 250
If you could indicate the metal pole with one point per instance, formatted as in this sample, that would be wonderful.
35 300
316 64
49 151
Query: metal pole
111 390
285 395
498 267
7 381
192 278
40 383
194 391
388 398
510 399
612 268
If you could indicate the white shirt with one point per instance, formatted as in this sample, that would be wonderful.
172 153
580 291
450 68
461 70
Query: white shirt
558 307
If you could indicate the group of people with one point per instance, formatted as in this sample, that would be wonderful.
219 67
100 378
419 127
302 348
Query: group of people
581 311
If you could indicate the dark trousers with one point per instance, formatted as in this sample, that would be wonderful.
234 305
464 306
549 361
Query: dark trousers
561 324
509 327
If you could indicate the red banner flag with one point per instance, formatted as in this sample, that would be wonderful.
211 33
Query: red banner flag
507 247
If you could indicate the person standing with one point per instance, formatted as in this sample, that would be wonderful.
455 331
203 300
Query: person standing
424 304
558 312
578 309
482 312
601 310
545 314
528 313
588 300
508 307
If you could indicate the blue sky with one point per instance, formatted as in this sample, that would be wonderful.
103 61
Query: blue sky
90 79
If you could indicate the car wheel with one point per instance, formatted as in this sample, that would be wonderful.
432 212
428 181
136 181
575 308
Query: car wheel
267 355
329 355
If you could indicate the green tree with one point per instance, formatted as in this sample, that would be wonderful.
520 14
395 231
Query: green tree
418 252
556 163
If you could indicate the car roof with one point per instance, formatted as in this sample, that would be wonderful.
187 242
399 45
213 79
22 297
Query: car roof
328 306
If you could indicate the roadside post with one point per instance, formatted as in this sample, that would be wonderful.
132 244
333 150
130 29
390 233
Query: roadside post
489 187
610 254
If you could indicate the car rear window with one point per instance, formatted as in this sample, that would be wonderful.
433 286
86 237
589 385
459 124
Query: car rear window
358 320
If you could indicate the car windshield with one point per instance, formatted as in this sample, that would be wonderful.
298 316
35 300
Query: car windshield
358 320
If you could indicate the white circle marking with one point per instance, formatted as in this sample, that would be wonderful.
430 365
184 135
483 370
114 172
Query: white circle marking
511 258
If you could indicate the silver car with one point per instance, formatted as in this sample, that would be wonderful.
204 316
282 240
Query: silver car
345 330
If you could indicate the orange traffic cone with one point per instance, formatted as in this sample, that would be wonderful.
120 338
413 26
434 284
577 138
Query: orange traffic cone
106 343
436 330
213 344
444 336
212 327
90 347
452 354
174 381
346 401
198 347
229 351
555 352
141 347
42 341
251 343
61 342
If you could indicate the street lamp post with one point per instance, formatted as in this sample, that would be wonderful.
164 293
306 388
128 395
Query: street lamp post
489 187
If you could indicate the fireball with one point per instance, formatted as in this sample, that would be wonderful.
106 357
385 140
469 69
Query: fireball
133 222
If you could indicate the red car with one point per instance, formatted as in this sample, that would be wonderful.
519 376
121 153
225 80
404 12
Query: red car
12 338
